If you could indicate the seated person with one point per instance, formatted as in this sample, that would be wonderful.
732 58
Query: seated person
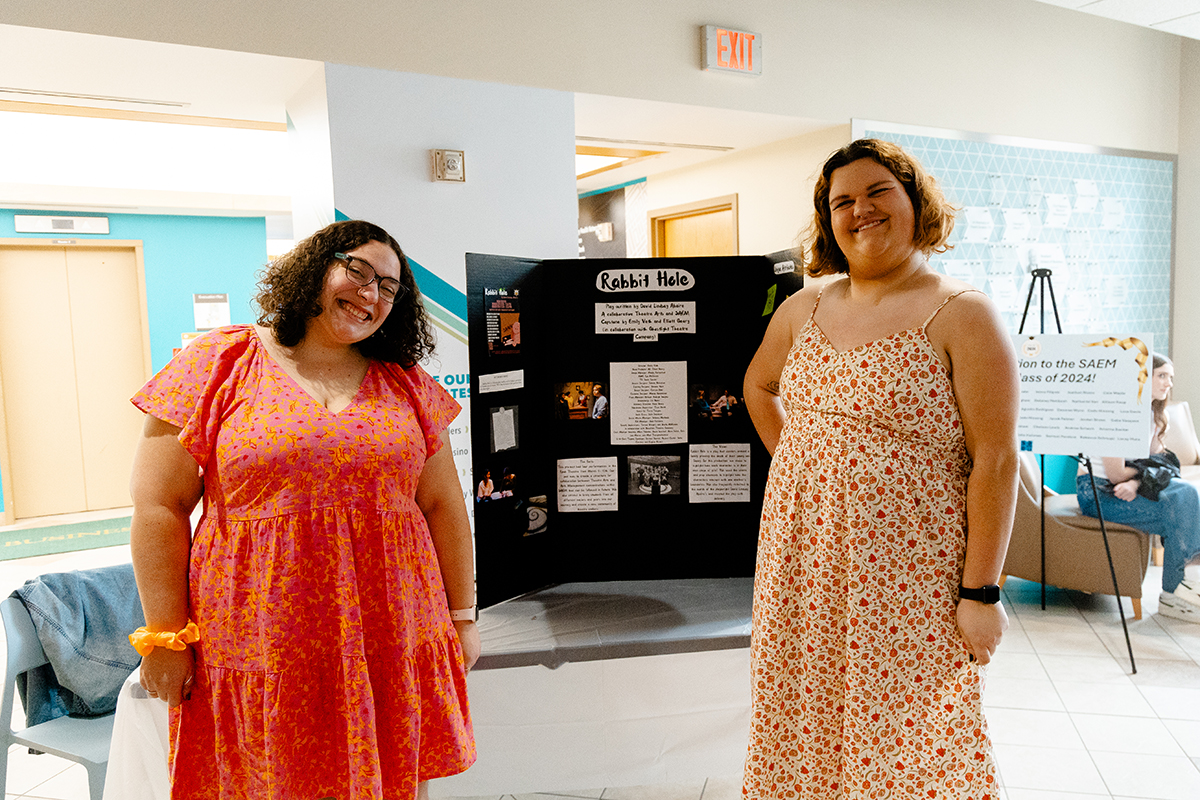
1174 516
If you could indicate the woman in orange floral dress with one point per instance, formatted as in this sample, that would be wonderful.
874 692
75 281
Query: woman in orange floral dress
889 401
330 576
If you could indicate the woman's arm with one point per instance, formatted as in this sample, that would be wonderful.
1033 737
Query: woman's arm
439 496
761 387
166 486
1123 479
987 389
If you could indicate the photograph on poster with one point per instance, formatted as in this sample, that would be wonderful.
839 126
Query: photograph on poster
503 320
714 401
649 402
505 430
581 400
1084 393
719 473
587 484
655 475
496 484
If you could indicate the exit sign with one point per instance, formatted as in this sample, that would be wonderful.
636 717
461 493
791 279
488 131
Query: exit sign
727 50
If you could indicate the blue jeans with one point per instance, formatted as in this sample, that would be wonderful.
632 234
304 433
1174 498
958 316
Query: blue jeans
1175 517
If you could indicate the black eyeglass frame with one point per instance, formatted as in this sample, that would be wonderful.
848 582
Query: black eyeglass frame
352 274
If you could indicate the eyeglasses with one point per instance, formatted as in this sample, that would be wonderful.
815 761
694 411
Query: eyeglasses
361 273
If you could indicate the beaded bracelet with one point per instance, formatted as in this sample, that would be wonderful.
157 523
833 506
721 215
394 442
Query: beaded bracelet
144 640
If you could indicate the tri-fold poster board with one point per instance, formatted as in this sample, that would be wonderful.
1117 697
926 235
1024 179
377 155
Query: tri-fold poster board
609 436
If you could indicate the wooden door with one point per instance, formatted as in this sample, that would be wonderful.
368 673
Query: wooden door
72 353
705 228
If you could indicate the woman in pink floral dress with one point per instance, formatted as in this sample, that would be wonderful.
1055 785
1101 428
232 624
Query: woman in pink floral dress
889 401
330 577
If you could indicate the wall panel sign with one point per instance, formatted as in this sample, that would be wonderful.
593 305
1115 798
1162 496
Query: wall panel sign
727 50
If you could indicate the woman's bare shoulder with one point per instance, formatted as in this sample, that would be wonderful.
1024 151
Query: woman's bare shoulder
799 307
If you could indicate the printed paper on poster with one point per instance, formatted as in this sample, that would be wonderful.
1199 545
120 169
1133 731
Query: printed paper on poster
587 484
649 402
719 473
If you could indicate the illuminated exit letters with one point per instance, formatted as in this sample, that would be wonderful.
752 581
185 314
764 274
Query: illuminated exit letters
727 50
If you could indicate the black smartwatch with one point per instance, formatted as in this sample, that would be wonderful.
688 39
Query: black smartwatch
988 595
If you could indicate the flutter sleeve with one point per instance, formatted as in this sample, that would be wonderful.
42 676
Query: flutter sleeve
435 408
195 390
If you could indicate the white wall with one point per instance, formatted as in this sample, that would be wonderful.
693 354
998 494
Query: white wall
309 158
519 196
774 185
1015 67
1185 294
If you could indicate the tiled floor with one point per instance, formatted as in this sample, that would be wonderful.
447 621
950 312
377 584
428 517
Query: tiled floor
1068 719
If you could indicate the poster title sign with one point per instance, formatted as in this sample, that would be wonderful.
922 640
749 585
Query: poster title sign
645 280
727 50
1085 394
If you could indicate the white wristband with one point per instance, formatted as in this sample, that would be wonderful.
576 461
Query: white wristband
464 614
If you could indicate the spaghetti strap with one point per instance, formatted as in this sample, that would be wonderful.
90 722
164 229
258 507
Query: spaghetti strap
812 315
925 324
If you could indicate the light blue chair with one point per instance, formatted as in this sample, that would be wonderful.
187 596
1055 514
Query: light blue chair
84 741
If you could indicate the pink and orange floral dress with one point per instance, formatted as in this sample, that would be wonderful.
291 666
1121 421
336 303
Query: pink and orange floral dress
862 688
328 666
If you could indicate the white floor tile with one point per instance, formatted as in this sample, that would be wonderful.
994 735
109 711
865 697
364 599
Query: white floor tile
662 791
1187 735
1035 728
1041 794
1067 642
1113 734
1014 641
1016 665
70 784
1046 768
1172 703
1021 693
1145 646
1104 698
26 771
1086 669
729 788
1175 674
1158 777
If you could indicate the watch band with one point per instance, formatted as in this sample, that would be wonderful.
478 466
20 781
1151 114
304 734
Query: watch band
989 595
464 614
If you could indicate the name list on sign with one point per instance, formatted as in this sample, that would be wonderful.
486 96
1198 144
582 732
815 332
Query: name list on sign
1085 393
649 402
646 320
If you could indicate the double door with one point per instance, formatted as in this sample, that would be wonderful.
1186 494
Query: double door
73 351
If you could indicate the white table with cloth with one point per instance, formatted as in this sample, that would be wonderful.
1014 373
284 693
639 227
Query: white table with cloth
582 685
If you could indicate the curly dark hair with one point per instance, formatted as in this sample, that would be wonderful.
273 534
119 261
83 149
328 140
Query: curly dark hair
933 214
290 290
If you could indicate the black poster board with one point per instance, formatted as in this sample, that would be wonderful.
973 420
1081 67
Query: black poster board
532 327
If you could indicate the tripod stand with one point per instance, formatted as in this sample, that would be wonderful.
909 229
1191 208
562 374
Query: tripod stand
1041 278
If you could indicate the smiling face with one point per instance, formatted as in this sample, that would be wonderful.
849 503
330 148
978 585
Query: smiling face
872 218
350 313
1162 381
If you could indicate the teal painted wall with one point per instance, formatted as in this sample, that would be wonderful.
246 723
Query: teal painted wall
183 256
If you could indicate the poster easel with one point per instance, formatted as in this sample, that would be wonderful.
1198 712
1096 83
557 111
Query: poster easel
1042 279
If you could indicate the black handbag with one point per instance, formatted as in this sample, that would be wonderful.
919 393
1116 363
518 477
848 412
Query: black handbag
1155 473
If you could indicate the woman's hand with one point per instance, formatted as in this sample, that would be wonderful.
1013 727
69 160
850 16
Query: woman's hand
1127 490
981 626
468 638
167 674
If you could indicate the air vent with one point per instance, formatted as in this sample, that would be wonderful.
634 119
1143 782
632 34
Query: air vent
31 223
